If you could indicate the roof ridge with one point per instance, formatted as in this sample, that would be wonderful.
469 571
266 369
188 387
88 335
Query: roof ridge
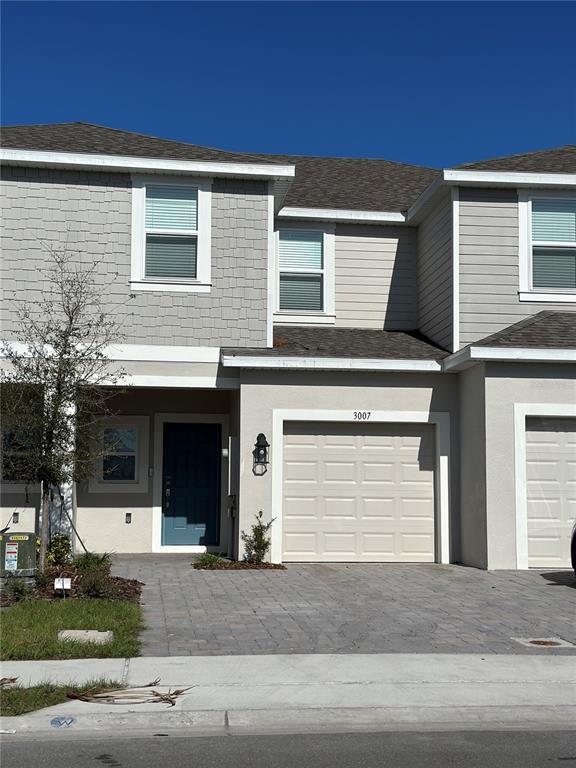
516 154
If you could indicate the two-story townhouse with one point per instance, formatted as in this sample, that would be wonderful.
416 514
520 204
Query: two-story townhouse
397 344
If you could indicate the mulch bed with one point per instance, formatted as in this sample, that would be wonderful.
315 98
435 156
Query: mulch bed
118 588
239 565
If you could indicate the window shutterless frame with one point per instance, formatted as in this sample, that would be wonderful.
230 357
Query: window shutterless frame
201 283
325 272
99 483
527 243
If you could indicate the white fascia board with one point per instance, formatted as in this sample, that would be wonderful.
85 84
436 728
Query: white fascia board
510 178
154 165
425 198
330 363
335 214
470 355
151 353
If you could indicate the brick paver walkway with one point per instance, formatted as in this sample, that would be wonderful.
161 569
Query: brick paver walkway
347 608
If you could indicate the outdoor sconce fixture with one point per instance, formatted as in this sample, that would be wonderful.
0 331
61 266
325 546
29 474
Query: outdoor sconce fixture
260 454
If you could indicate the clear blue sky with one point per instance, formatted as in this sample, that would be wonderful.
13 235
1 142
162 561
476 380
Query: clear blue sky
428 83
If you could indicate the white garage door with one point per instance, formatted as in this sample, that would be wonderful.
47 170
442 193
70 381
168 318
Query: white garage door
551 490
355 492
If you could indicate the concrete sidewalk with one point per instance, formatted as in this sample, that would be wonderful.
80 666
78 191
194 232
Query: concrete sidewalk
307 692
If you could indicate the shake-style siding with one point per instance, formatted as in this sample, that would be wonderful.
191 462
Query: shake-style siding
435 278
489 265
375 277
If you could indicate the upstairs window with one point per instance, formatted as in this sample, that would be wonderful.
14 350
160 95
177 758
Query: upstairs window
302 271
553 235
171 231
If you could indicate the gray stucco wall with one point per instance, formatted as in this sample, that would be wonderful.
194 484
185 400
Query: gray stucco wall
374 277
489 265
435 274
506 384
90 214
472 467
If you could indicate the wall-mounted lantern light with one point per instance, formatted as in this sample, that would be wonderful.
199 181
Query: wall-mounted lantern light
260 453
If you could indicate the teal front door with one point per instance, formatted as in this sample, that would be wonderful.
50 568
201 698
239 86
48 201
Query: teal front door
191 484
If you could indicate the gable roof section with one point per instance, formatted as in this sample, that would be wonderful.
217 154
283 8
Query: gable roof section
557 160
320 182
546 330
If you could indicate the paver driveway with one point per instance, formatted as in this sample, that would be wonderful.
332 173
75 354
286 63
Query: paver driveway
347 608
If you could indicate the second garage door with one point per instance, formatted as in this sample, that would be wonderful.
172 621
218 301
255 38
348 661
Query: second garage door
551 490
358 493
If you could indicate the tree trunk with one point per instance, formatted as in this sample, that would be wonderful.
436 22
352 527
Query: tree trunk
44 526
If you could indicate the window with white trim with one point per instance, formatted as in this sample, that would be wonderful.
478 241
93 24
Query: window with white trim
305 272
549 257
122 463
171 223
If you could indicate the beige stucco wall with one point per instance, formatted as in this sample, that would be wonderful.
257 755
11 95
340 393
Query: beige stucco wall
507 384
101 516
263 391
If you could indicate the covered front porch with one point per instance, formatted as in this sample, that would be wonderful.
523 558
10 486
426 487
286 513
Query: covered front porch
166 480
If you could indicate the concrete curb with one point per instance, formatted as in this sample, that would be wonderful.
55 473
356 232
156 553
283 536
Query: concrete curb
40 725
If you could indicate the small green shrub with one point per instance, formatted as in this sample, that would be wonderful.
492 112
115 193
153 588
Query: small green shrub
207 560
95 583
257 542
59 550
92 561
17 589
42 579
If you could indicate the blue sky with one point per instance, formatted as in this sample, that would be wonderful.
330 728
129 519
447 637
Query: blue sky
427 83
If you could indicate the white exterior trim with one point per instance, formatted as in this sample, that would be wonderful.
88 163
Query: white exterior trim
509 178
470 355
177 382
556 298
153 165
97 484
440 420
158 463
161 353
138 281
286 319
521 412
330 363
455 269
337 214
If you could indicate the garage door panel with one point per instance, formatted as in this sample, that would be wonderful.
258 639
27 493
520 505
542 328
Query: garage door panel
550 490
386 512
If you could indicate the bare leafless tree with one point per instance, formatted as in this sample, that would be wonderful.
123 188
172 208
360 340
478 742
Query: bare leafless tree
59 381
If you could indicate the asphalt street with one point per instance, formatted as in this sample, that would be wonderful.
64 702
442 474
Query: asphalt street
505 749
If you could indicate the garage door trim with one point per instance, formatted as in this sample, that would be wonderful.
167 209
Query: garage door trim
522 411
441 422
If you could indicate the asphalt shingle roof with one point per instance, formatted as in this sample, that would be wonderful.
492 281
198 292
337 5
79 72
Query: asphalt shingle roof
557 160
546 330
321 182
290 341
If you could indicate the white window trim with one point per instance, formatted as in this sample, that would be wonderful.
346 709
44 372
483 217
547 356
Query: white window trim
97 484
521 412
328 315
138 281
526 292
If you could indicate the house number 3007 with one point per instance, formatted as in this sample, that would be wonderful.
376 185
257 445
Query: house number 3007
362 415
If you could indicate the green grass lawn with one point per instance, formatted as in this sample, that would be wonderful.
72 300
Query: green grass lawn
29 629
16 700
